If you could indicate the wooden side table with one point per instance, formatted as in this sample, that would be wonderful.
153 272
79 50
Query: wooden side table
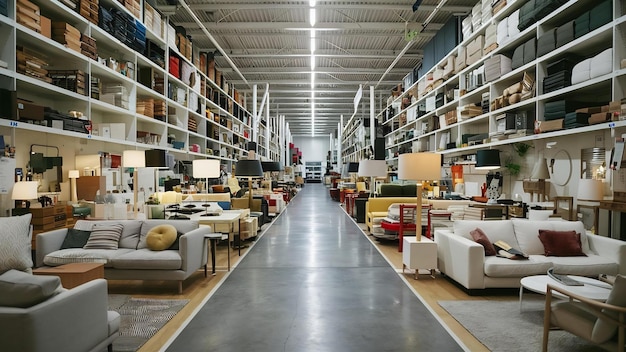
419 254
73 274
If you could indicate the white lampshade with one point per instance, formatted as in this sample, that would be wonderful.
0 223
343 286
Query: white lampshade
372 168
73 174
419 166
206 168
590 189
540 170
24 190
134 158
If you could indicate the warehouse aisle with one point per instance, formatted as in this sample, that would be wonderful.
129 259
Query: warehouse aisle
313 282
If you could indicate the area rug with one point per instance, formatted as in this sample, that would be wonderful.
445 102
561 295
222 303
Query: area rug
141 319
500 326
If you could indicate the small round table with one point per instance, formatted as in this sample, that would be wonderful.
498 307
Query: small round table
214 238
593 289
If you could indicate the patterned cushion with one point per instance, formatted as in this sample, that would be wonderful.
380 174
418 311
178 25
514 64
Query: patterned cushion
104 236
22 290
15 243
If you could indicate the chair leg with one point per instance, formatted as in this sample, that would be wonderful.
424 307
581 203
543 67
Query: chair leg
546 320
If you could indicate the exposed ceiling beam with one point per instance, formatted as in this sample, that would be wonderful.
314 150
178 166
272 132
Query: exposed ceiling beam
321 70
351 54
398 6
324 35
318 82
241 27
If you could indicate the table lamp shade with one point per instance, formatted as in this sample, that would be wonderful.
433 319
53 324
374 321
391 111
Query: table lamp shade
24 190
156 158
419 166
590 189
488 159
269 166
353 167
372 168
206 168
249 168
540 170
134 158
73 174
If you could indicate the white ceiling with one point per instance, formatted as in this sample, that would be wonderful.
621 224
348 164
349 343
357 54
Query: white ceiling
357 43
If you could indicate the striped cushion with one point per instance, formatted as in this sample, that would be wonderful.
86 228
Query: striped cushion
104 236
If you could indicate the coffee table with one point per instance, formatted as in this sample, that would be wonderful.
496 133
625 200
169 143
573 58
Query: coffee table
593 289
73 274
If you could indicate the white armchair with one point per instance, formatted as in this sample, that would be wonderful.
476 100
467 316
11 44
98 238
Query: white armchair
600 323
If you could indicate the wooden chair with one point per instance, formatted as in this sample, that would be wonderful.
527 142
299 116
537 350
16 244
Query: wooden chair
600 323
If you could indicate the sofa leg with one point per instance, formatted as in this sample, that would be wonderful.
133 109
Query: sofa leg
180 287
110 347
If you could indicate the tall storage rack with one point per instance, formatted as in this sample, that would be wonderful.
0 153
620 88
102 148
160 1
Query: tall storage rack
199 116
437 117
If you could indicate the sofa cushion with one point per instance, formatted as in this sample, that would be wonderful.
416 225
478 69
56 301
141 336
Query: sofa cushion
591 265
181 226
161 237
143 259
79 255
495 230
75 239
603 330
561 243
479 237
527 233
130 234
504 267
15 244
104 236
22 290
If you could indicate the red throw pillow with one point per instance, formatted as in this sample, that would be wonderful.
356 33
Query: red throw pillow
561 243
479 237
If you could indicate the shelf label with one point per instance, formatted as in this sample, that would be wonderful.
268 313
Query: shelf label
13 123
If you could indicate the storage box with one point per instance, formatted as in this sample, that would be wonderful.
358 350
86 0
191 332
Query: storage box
28 111
553 125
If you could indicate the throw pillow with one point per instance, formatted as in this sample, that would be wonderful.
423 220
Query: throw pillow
15 251
561 243
161 237
104 236
75 238
479 237
176 244
22 290
603 331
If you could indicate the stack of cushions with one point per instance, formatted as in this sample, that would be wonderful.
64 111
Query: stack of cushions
555 243
22 290
15 251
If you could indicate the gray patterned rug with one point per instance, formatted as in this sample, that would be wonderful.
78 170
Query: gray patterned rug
141 319
500 326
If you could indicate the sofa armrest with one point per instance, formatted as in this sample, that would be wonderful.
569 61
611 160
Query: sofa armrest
609 248
193 249
48 242
461 259
73 320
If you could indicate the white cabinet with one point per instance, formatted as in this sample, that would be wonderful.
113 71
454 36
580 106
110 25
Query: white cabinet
313 171
419 254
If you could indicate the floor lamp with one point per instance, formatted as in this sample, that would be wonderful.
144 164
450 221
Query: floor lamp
419 167
249 168
372 168
134 159
206 168
73 175
269 167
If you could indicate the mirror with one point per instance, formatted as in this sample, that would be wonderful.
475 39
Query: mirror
593 163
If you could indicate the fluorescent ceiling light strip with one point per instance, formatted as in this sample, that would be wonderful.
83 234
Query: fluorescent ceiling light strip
312 62
312 3
312 19
312 45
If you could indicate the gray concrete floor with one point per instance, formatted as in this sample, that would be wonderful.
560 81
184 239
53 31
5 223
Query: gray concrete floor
313 282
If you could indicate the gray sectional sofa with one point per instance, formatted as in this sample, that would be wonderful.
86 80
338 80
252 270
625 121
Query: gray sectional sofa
132 260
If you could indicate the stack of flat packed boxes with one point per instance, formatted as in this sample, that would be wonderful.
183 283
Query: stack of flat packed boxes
28 15
546 42
524 54
89 10
477 17
66 34
491 39
192 125
145 107
152 20
160 110
134 6
496 66
614 111
88 47
94 87
72 80
486 11
32 64
559 74
115 94
474 50
554 115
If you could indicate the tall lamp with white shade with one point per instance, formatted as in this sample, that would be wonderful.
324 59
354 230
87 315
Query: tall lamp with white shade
73 175
206 168
23 192
419 167
372 168
134 159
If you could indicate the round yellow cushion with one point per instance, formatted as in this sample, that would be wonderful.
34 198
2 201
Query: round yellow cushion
161 237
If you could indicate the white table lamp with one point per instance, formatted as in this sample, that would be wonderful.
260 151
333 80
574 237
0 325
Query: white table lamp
134 159
23 192
419 167
372 168
73 175
590 189
206 168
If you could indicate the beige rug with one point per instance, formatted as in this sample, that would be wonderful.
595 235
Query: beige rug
141 319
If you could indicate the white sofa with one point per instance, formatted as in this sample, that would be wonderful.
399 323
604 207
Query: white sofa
463 260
